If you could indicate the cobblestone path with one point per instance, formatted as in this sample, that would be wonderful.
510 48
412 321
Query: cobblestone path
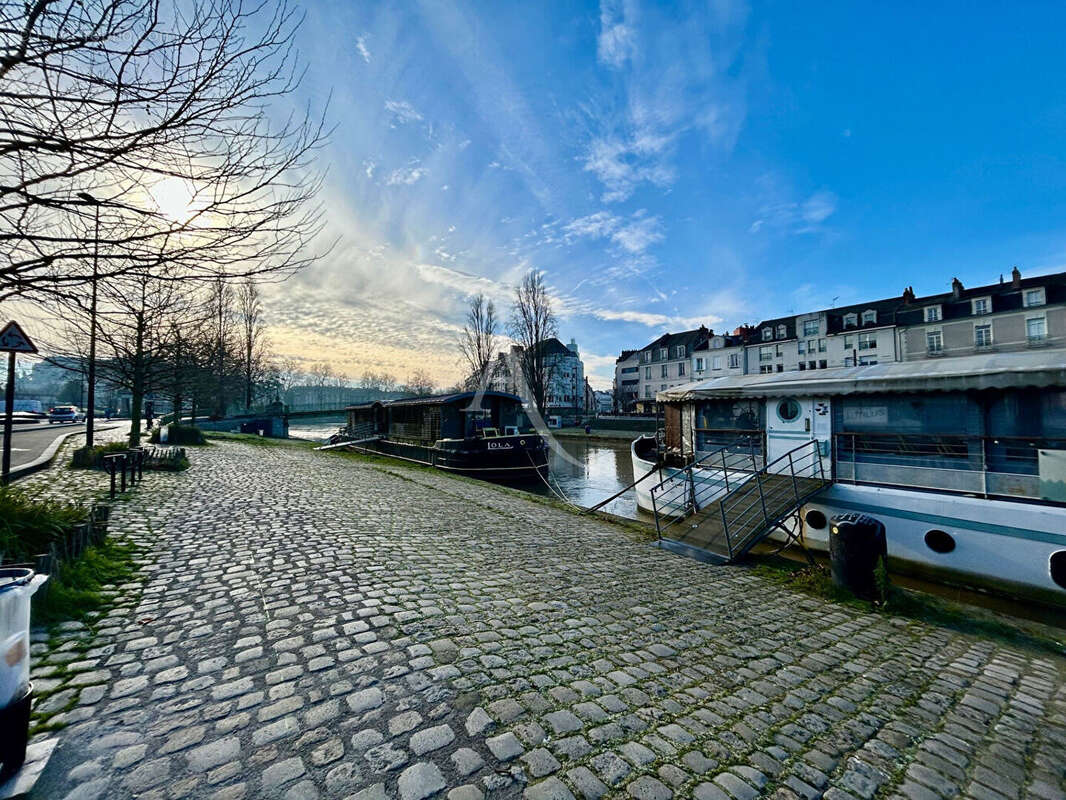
313 626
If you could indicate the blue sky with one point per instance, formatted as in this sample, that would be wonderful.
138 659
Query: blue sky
668 164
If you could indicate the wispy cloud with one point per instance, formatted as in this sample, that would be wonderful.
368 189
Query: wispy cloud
795 216
405 176
617 40
360 45
634 235
402 111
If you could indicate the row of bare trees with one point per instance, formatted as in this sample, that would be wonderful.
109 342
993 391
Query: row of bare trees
532 322
146 188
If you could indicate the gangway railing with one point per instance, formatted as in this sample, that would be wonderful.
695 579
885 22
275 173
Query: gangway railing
698 484
729 522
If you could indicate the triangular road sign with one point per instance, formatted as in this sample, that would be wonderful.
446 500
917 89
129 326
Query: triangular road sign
14 339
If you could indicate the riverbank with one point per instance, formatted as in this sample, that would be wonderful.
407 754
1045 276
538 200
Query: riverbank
316 625
605 435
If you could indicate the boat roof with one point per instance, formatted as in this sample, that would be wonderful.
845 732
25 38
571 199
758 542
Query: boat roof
437 399
1038 368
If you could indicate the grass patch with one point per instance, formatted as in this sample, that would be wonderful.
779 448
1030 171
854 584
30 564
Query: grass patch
179 435
29 525
818 582
75 590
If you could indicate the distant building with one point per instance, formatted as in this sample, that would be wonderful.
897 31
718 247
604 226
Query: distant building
565 390
1018 314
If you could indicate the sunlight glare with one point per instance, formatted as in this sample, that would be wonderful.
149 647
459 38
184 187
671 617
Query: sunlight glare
174 199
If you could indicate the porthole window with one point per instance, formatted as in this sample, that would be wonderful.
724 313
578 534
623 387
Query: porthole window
1057 565
815 519
939 541
788 410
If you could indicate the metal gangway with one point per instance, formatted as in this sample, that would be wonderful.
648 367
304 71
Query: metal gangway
720 506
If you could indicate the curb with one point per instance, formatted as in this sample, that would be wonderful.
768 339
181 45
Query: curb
47 455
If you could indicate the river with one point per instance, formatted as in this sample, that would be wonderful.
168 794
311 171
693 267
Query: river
585 471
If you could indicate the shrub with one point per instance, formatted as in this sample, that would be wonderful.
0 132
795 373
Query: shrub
28 526
179 434
93 457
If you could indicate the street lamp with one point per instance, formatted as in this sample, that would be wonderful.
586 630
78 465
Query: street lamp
90 412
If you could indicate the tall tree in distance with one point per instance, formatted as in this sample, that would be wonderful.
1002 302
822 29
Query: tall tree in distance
220 303
420 384
250 320
533 322
478 341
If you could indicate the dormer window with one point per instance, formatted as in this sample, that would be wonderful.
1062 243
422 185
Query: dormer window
1034 297
664 353
981 305
681 351
767 334
717 343
932 313
851 320
869 316
781 332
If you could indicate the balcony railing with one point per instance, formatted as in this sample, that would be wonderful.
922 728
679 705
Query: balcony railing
1004 466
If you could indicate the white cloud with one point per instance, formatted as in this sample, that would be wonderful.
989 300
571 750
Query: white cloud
637 236
402 111
819 207
617 41
405 176
360 45
623 165
368 167
634 235
672 322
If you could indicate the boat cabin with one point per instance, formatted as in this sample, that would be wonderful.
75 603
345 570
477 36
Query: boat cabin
988 425
426 420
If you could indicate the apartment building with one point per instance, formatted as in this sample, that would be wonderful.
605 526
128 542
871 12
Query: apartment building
1009 315
565 390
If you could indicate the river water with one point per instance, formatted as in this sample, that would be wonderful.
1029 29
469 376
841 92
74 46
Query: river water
584 471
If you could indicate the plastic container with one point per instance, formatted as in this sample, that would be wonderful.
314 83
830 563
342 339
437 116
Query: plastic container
856 542
17 585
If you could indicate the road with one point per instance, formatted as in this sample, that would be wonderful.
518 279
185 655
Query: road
29 441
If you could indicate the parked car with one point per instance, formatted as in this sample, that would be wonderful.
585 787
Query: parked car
66 414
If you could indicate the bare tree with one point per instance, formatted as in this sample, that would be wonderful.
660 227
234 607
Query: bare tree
532 324
154 116
220 304
253 345
420 384
477 341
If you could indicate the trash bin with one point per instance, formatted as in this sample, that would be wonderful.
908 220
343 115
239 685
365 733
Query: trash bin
856 542
17 586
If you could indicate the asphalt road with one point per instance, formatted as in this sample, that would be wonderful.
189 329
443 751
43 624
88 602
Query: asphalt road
29 441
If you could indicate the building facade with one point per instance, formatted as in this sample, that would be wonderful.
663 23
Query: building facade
565 390
1019 314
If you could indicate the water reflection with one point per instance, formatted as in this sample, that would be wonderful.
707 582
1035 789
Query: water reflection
601 469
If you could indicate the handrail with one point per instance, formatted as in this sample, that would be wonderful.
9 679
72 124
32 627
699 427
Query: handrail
616 495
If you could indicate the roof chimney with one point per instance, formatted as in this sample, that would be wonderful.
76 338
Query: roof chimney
956 288
908 295
1016 278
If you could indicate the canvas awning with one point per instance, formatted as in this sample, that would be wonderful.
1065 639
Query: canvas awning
1037 368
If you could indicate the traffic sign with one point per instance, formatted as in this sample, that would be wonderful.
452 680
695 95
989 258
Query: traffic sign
14 340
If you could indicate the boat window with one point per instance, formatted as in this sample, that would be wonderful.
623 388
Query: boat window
939 541
490 432
1057 566
788 409
815 519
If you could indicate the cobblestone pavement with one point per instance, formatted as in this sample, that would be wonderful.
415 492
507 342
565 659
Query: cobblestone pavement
314 626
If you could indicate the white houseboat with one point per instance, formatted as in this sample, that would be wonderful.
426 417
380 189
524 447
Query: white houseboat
962 459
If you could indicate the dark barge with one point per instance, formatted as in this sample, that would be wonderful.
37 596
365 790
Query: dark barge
478 434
